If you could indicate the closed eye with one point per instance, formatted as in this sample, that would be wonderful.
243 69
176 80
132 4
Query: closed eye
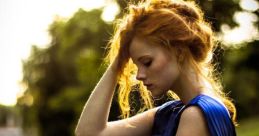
148 63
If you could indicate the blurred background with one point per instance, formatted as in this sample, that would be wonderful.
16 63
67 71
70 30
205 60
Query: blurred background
51 55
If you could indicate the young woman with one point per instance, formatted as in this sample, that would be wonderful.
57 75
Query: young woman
161 47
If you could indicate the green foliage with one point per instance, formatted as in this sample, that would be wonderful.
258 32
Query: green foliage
9 116
4 111
248 127
241 76
60 78
220 11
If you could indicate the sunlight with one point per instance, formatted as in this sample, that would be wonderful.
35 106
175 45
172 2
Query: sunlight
110 12
246 31
25 23
250 5
9 88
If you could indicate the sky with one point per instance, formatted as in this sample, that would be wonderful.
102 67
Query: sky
24 23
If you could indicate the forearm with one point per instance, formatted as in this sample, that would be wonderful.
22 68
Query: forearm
96 111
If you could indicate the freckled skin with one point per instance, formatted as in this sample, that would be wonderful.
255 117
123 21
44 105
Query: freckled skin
163 70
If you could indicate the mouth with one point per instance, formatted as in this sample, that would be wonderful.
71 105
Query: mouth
149 86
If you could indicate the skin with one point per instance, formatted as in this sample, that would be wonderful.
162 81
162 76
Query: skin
162 74
157 69
163 71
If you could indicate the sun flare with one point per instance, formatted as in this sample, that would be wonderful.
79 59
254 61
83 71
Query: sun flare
25 23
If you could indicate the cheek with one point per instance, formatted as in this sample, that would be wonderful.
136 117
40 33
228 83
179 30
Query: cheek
160 69
159 66
165 73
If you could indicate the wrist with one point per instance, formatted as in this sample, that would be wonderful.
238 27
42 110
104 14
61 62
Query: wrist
114 65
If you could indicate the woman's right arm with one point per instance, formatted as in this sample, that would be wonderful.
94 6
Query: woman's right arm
94 117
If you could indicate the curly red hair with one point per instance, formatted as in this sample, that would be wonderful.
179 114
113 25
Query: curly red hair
171 23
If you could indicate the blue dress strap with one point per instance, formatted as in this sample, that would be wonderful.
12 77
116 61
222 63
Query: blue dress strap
168 115
216 114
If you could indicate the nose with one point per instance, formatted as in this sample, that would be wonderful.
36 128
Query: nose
141 75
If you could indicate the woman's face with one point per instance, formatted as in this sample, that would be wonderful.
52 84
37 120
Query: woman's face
157 66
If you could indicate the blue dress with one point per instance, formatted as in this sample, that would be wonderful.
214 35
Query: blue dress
168 115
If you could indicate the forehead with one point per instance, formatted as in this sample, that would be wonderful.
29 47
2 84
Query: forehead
140 46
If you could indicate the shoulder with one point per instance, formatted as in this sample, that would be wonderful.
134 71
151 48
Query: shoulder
193 120
211 106
205 113
192 112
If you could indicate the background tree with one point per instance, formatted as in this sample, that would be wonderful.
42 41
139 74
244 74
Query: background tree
60 78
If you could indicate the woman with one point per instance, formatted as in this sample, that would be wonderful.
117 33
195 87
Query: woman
161 47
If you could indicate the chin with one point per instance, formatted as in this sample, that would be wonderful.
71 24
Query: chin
157 93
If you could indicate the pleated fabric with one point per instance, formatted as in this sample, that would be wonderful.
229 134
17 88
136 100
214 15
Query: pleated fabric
168 115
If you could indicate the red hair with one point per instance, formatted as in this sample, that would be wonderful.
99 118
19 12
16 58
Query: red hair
171 23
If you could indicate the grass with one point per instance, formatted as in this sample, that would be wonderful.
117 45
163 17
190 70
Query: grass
248 127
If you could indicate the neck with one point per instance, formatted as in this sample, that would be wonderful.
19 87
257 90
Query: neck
190 84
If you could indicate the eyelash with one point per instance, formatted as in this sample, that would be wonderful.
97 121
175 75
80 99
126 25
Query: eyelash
147 64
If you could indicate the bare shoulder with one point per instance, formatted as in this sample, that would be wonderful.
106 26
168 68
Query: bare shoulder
193 120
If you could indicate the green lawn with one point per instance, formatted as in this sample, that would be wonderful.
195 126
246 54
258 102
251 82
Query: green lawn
248 127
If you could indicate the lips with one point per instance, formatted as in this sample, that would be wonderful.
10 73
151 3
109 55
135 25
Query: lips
149 86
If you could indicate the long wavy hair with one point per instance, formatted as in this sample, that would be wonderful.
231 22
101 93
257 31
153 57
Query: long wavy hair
175 24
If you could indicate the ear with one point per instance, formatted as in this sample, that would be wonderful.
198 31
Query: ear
181 57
